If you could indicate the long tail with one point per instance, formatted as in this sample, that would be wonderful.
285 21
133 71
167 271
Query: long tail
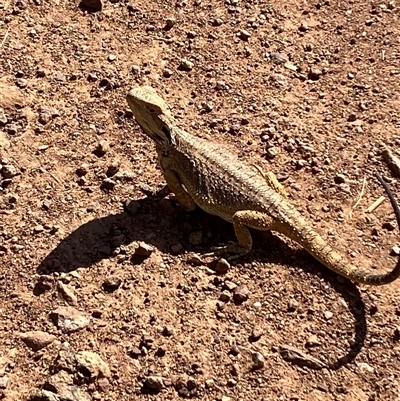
304 235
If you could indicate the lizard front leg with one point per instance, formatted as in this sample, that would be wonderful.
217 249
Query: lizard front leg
242 221
176 187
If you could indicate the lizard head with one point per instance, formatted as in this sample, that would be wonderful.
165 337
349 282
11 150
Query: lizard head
152 114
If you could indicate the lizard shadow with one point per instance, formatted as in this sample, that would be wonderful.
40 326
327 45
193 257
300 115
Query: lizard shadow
158 223
349 291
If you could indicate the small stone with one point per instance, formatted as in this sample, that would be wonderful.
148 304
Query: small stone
292 305
38 229
44 283
388 226
167 72
82 170
340 178
3 118
93 5
154 383
102 148
191 34
244 35
108 184
46 114
229 285
226 398
168 331
112 169
217 22
37 340
395 251
314 74
134 352
8 171
210 383
256 334
103 384
12 129
272 152
69 319
22 83
220 85
279 58
222 266
328 315
396 334
97 313
313 341
13 199
67 294
225 296
170 22
352 117
258 360
241 293
207 107
132 206
112 284
231 382
304 27
196 237
92 365
364 367
186 65
111 57
144 249
3 383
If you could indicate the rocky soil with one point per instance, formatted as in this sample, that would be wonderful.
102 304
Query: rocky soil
104 294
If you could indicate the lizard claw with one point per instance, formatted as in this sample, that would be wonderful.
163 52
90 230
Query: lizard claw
234 248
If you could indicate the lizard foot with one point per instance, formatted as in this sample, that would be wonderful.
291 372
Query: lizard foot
235 248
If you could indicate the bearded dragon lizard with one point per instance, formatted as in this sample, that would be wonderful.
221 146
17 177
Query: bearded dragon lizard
208 175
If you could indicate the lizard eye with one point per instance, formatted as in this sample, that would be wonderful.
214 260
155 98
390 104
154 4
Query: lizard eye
151 110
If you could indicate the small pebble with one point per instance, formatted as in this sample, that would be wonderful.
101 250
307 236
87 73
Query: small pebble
304 27
144 249
102 148
132 206
111 284
170 22
244 35
112 169
241 293
314 74
222 266
186 65
8 171
109 184
258 360
225 296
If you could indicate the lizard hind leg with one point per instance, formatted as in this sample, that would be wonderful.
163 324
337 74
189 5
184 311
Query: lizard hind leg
242 221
